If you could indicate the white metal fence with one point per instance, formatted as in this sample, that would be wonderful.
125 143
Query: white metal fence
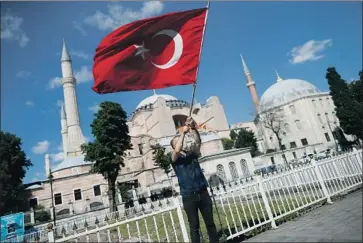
242 205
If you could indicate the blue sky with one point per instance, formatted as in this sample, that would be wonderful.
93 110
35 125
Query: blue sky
299 39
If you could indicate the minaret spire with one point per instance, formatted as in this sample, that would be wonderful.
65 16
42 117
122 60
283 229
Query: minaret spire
154 91
279 79
250 84
245 68
75 136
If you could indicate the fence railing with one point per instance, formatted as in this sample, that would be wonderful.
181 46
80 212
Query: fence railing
242 205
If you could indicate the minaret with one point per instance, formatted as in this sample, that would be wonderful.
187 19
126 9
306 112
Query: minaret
75 136
64 131
250 84
279 79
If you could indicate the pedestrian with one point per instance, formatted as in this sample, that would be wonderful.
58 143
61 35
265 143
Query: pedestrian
193 185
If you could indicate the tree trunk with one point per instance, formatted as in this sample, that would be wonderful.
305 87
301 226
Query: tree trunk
280 145
112 193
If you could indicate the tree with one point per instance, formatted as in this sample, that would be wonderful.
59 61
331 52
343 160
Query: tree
348 109
162 160
356 89
245 139
227 143
13 166
107 151
272 120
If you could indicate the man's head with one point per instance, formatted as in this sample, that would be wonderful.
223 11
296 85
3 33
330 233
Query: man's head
187 143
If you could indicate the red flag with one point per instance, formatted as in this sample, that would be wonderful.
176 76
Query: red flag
151 53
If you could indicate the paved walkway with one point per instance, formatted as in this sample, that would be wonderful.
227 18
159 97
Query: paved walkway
340 222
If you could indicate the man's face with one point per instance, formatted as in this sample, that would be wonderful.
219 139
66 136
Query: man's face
188 142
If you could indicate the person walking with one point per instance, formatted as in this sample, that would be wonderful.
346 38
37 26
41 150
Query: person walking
193 185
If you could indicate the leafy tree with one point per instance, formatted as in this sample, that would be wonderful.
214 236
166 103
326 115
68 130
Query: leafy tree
227 143
162 160
356 89
245 138
108 149
13 165
348 109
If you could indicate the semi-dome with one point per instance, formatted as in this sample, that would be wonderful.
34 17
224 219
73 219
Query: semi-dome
71 162
285 91
152 99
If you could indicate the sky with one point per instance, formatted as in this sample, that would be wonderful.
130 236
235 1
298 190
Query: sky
298 39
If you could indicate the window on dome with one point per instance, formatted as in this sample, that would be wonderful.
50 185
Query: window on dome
58 198
292 109
292 145
304 142
314 103
287 127
298 125
77 194
321 102
327 137
97 190
320 120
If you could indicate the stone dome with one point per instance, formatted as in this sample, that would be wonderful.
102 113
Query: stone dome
285 91
152 99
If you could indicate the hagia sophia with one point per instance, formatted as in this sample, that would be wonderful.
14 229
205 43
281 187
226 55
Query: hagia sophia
309 125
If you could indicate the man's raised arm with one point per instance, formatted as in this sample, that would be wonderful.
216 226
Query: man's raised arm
178 145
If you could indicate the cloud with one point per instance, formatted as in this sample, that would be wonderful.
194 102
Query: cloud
41 147
94 108
55 82
57 157
29 103
83 75
35 179
60 103
117 15
23 74
11 28
80 54
79 27
309 51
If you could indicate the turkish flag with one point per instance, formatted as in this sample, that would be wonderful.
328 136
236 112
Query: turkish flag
151 53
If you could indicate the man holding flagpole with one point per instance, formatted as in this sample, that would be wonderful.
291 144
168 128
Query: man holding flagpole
156 53
193 185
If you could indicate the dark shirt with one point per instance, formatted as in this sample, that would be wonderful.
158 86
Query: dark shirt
190 175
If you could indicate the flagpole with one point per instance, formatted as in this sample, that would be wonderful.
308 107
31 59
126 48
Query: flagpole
200 55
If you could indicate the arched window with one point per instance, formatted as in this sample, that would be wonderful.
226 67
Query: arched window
287 127
233 170
334 116
327 116
321 102
245 170
298 125
292 109
221 173
320 120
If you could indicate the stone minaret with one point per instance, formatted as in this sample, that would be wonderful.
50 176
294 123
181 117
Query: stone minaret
64 131
75 136
250 84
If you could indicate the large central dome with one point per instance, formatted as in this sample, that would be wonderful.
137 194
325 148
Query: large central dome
152 99
286 91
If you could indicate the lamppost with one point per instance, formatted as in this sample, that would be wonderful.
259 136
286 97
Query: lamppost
50 177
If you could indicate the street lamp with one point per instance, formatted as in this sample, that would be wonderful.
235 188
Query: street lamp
50 177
